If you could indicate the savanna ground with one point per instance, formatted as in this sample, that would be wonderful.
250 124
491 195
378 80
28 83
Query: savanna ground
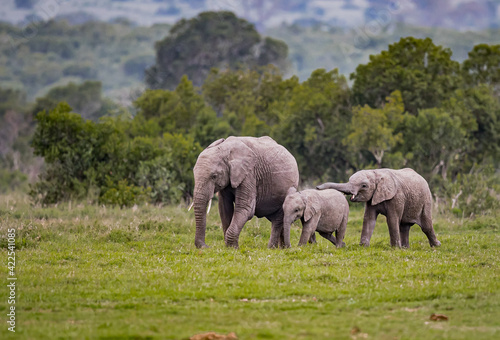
88 272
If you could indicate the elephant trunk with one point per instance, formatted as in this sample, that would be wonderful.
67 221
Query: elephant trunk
287 225
201 198
346 188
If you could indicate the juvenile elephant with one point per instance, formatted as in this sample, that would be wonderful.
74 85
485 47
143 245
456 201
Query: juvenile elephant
252 177
403 196
322 211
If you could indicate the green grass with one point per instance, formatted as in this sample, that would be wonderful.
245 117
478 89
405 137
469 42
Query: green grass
90 272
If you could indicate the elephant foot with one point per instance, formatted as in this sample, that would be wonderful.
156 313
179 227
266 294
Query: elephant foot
341 245
201 245
436 244
273 245
364 244
232 245
396 243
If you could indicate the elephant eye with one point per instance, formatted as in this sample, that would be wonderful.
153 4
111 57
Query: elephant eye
213 176
364 185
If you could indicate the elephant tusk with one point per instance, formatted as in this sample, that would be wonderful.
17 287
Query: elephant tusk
209 206
192 203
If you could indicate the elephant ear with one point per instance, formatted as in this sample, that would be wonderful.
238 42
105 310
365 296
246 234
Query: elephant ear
217 142
291 191
386 187
312 207
241 162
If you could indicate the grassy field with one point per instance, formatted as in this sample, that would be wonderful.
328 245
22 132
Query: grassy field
90 272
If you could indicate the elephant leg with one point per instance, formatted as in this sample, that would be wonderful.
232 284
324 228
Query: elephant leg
340 233
244 209
312 239
428 229
234 230
329 237
369 220
282 242
226 208
308 228
393 224
404 232
278 238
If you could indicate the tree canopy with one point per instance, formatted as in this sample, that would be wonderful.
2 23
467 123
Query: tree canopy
483 66
424 73
211 39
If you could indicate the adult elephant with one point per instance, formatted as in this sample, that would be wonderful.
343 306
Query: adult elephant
403 196
252 177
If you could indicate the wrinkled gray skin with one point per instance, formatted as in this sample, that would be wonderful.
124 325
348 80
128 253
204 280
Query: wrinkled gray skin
252 177
322 211
403 196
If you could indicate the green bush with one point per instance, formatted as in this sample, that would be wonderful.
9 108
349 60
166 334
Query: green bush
12 180
475 194
101 161
157 175
124 195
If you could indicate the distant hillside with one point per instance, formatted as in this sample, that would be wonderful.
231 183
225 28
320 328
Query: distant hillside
333 47
455 14
118 53
58 53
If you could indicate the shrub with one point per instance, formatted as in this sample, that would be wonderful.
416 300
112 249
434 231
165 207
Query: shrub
12 180
123 194
157 176
475 194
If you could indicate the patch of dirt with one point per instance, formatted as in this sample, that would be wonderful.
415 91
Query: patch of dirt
214 336
438 317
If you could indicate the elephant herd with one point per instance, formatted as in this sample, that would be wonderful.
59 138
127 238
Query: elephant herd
259 177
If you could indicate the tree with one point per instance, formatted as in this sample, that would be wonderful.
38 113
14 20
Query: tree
483 66
479 110
246 98
182 111
313 122
375 129
72 148
85 98
212 39
423 72
434 140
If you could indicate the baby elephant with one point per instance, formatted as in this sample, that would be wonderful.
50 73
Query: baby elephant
322 211
403 196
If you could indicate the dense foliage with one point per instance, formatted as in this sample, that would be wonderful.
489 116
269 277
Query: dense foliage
150 157
409 106
423 72
115 161
335 47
